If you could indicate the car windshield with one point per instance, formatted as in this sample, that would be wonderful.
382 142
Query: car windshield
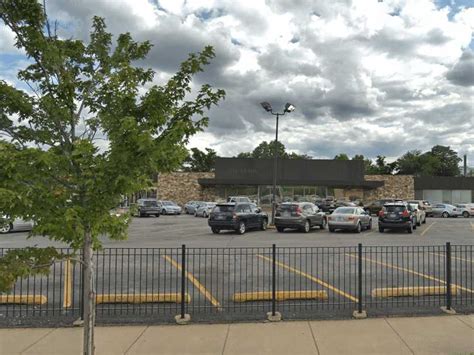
394 209
224 208
168 203
210 204
150 203
344 210
461 205
414 206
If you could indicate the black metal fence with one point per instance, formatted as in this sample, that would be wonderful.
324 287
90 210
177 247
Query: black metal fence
155 284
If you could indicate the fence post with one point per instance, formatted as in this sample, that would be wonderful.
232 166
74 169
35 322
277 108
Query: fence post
274 316
448 309
183 318
359 314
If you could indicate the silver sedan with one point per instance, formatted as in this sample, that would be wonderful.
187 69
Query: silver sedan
351 218
17 224
205 209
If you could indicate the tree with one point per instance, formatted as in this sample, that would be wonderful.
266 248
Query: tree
440 161
445 161
54 171
341 156
267 150
200 161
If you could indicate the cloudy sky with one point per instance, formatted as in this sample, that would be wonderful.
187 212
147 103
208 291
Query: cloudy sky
366 76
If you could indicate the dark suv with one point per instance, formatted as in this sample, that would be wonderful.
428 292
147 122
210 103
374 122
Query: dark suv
299 215
397 215
238 216
148 207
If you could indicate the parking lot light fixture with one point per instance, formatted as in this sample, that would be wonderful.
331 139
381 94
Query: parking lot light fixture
288 108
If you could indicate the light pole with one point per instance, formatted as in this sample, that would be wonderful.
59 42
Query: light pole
288 108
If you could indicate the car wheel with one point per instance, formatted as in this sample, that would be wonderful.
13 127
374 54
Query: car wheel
157 215
5 228
306 227
264 224
241 229
323 225
465 214
358 228
195 214
414 224
418 223
381 229
424 220
331 229
445 215
204 214
215 230
280 229
186 211
410 229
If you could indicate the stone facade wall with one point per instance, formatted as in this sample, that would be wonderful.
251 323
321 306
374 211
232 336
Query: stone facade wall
396 186
182 187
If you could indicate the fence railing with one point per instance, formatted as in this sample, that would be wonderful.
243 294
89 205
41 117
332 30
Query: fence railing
133 284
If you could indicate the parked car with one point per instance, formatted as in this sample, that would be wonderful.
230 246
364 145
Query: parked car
397 215
238 216
191 206
351 218
376 206
327 206
465 209
419 213
299 215
169 207
148 207
238 199
445 210
204 209
18 224
423 204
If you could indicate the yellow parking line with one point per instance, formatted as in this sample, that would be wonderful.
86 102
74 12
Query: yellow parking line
410 271
453 257
311 277
196 284
472 226
67 292
428 228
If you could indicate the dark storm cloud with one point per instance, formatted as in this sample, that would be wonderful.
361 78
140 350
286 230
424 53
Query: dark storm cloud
462 73
448 115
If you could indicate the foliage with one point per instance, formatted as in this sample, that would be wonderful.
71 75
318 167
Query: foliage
19 263
88 132
439 161
341 156
200 161
266 150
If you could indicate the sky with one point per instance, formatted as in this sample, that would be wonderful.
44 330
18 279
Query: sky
367 77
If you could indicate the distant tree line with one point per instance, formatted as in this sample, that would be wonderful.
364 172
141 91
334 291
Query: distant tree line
439 161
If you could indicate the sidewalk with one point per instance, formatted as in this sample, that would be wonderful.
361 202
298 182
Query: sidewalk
422 335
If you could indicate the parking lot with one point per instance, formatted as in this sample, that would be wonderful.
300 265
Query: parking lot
173 231
315 271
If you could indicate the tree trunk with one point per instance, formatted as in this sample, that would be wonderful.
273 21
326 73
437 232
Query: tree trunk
88 296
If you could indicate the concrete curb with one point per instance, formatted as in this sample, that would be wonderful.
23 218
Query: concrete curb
182 321
274 318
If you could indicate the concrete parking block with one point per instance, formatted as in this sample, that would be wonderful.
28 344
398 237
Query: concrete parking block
270 338
191 339
14 341
369 336
435 335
